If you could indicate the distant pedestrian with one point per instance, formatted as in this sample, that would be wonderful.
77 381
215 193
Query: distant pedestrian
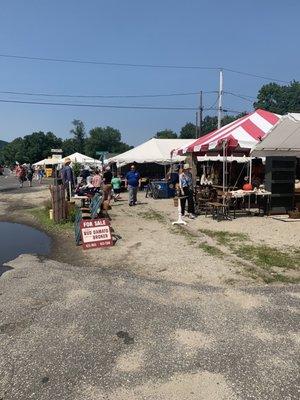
21 174
67 177
107 177
40 175
116 185
132 182
96 179
30 172
186 188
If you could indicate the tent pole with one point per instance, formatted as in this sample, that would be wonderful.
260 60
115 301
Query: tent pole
224 166
220 99
250 180
250 170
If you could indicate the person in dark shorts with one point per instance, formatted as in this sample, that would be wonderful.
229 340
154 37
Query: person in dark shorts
107 177
116 185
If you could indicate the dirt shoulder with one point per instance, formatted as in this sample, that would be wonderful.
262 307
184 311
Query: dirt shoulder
235 252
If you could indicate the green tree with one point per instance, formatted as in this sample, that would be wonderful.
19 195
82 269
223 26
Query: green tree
211 123
78 132
69 146
104 139
31 148
166 134
188 131
2 143
13 151
280 99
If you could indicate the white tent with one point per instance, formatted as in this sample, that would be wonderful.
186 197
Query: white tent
282 140
82 159
48 161
153 151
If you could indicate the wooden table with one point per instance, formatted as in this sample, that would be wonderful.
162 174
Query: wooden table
82 199
242 194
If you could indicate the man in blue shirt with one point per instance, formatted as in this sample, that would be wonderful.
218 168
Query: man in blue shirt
132 182
67 177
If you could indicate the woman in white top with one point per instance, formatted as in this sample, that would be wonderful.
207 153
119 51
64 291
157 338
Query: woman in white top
186 188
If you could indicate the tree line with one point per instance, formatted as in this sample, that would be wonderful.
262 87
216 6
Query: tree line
37 146
272 97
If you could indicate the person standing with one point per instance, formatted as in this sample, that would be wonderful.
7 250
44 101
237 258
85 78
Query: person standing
40 175
186 188
21 174
116 185
30 172
132 182
96 179
67 177
107 177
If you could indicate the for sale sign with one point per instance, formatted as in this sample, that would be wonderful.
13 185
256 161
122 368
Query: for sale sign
95 233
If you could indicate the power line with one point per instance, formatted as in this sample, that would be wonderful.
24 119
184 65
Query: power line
226 110
102 96
215 102
255 75
136 65
74 61
111 106
240 96
98 105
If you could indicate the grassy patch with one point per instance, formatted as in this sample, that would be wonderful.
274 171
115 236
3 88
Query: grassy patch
225 238
42 215
152 215
268 257
211 250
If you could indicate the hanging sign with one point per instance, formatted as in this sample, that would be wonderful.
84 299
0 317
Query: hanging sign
95 233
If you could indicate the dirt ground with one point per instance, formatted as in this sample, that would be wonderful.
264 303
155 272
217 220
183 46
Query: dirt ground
167 313
150 246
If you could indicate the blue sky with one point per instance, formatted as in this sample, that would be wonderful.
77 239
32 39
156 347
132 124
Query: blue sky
259 37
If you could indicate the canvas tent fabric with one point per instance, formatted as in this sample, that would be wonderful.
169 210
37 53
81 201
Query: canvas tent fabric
240 135
153 151
82 159
48 161
75 157
283 139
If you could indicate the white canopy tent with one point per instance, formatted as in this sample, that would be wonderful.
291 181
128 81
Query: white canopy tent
75 157
153 151
82 159
282 140
48 161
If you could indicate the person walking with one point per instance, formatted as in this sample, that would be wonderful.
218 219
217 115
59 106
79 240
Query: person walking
40 175
107 177
116 185
67 177
30 172
186 188
96 179
132 182
21 174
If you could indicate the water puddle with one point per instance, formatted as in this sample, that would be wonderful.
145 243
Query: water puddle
16 239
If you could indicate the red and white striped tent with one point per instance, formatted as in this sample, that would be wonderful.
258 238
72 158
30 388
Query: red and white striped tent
240 136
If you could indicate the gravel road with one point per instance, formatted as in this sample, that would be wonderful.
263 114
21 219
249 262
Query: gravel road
79 333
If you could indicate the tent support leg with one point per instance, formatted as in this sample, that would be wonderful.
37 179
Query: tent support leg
180 221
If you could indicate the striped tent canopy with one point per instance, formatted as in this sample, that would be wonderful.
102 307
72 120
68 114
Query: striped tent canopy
240 136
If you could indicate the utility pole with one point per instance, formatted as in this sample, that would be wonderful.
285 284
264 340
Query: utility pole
220 109
196 125
200 114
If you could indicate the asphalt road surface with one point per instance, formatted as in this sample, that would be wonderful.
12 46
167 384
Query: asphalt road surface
9 182
75 333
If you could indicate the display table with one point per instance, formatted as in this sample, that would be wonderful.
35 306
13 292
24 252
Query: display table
82 199
261 196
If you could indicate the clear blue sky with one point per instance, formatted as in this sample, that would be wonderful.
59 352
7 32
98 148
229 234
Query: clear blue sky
253 36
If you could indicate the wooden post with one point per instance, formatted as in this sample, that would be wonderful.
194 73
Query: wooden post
58 203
